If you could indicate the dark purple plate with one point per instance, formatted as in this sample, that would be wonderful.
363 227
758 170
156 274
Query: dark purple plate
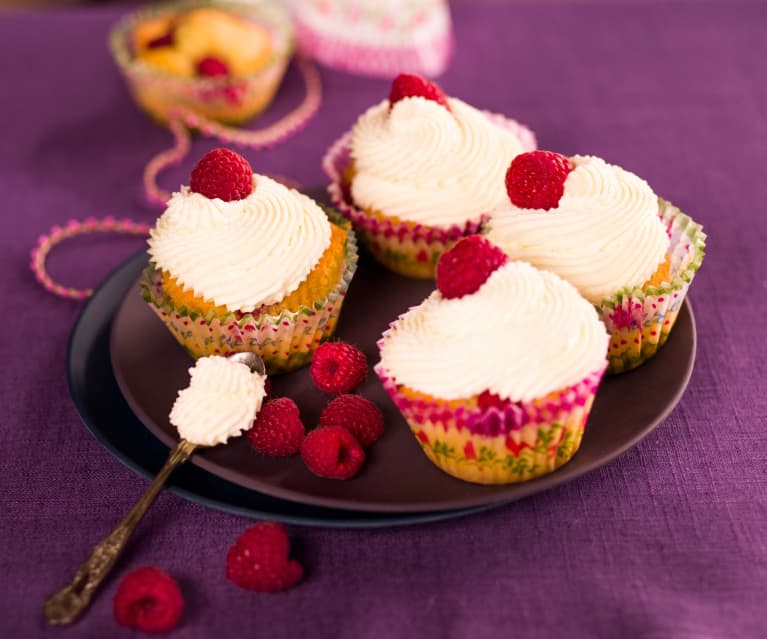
150 368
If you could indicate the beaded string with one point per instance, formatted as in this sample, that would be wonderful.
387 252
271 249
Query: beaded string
58 234
179 124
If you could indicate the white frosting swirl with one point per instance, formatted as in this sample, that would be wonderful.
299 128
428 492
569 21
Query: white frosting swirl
604 235
245 253
523 334
422 163
221 401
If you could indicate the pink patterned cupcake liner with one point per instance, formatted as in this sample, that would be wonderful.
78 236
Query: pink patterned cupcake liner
404 247
640 321
498 445
430 57
373 38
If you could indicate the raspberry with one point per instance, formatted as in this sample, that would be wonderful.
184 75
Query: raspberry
536 180
212 67
488 400
165 40
466 266
277 430
361 417
149 600
338 367
258 560
223 174
406 85
332 452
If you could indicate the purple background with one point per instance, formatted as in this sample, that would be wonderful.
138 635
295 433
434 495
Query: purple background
667 541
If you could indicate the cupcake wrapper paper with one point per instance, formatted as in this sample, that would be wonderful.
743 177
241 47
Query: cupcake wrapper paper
403 247
428 56
639 322
285 342
496 446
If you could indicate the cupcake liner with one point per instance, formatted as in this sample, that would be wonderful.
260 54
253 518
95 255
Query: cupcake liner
426 51
639 321
494 445
222 99
406 248
285 341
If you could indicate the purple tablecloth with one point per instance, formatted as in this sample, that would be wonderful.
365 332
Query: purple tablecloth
669 540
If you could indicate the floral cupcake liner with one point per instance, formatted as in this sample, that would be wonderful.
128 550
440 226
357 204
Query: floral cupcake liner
285 341
640 321
498 445
403 247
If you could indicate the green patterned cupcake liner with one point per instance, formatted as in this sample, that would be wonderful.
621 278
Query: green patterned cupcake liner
640 321
285 341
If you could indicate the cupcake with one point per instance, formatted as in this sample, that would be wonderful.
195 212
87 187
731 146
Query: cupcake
419 171
603 229
222 62
239 262
496 371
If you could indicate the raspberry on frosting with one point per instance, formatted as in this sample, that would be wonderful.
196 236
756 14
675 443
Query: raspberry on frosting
407 85
338 367
149 600
463 269
361 417
536 180
259 560
224 174
277 430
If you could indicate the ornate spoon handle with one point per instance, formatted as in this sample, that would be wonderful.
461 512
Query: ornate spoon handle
65 606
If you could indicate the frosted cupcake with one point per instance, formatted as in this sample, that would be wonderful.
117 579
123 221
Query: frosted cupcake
419 171
603 229
496 371
239 262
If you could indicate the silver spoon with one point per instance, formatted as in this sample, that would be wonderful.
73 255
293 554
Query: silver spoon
67 604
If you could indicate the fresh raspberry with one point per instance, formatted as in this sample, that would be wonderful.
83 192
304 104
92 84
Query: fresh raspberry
536 180
149 600
258 560
165 40
211 67
338 367
332 452
361 417
466 266
223 174
277 430
406 85
486 400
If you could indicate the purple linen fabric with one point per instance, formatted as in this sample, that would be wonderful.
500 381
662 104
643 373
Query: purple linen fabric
668 541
